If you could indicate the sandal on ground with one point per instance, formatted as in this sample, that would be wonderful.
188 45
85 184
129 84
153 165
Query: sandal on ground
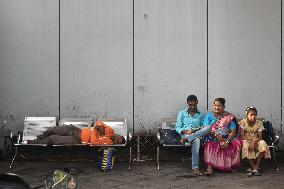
258 173
249 170
196 172
208 172
250 174
254 173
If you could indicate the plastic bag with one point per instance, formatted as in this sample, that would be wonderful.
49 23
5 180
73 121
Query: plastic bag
59 179
106 160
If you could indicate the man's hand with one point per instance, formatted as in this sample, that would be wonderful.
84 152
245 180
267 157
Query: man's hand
188 132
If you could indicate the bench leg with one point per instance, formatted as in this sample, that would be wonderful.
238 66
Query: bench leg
14 158
274 158
158 156
130 158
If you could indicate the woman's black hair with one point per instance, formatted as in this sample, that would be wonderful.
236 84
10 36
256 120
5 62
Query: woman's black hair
221 100
251 108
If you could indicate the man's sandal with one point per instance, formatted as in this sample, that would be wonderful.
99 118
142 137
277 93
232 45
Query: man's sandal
196 172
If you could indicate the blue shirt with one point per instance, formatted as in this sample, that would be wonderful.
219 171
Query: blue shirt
185 121
209 118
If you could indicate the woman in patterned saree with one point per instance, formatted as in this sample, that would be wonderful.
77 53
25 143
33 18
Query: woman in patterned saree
222 147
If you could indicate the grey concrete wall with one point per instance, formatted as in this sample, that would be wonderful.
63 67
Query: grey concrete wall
170 59
28 62
115 59
245 56
96 59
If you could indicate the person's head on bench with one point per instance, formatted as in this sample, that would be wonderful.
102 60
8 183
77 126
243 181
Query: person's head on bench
116 139
99 126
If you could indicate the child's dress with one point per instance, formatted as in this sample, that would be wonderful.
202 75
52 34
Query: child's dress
250 134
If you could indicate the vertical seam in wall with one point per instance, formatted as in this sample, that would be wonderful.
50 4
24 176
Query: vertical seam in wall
133 65
207 55
59 57
281 82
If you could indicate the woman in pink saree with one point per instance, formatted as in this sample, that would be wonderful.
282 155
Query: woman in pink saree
222 148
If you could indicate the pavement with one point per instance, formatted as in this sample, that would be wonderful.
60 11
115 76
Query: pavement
172 174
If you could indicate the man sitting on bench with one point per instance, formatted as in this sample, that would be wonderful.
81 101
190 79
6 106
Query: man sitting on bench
69 134
188 122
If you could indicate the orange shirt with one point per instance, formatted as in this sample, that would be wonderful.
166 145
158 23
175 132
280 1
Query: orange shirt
86 135
91 135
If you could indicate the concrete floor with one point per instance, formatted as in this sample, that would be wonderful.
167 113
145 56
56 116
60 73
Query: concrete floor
145 175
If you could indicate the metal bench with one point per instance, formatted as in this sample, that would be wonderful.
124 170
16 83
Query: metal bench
272 139
168 125
269 135
118 125
33 126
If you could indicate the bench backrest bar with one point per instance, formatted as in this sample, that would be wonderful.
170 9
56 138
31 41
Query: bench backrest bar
78 122
169 123
34 126
118 125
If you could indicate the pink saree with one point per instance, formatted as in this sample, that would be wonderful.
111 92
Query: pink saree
217 157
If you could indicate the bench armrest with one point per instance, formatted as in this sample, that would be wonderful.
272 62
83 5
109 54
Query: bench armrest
276 140
15 135
130 135
158 136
